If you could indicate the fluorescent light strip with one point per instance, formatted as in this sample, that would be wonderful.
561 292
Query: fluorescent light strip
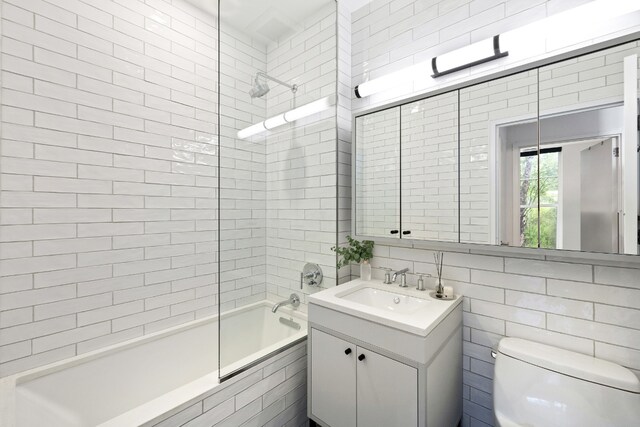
275 121
288 117
469 56
251 130
573 22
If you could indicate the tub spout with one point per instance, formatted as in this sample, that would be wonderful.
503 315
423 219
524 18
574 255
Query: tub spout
293 300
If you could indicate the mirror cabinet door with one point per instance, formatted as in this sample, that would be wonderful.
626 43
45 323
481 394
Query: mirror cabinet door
429 168
498 203
588 162
377 174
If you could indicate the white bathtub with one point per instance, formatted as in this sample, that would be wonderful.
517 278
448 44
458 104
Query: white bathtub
139 380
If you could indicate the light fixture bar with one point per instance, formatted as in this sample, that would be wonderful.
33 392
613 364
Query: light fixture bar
475 54
251 130
577 22
288 117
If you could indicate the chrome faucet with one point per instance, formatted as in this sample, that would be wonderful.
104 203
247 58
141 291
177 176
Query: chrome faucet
403 277
293 300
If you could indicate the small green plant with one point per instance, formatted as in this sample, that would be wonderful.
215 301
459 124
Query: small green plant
355 252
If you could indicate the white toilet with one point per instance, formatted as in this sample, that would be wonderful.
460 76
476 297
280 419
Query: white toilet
536 385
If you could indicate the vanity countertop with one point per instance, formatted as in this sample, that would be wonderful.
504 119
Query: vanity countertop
406 309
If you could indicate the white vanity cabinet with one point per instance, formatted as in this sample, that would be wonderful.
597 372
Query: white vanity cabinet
355 386
384 365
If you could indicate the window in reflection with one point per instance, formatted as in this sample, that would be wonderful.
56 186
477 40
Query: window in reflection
548 189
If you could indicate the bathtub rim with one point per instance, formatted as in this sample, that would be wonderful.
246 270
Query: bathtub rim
9 383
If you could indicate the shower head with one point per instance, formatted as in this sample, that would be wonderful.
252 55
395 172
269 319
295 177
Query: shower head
259 89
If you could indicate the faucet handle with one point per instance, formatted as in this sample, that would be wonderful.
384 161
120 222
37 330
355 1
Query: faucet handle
387 275
421 286
422 274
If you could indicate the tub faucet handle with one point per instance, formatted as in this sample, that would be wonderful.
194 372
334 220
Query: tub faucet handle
311 275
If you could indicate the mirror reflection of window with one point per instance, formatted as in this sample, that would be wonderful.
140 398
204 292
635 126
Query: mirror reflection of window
548 187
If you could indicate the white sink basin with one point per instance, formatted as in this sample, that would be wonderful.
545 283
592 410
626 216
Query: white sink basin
406 309
394 302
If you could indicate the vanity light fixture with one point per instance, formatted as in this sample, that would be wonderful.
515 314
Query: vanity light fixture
577 22
466 57
288 117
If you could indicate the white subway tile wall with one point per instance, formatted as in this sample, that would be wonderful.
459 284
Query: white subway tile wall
585 306
301 159
242 174
108 165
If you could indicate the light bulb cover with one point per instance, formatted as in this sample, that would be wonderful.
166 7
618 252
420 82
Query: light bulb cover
468 56
390 80
275 121
288 117
309 109
251 130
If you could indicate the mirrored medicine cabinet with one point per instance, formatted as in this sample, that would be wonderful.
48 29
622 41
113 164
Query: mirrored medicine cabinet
545 158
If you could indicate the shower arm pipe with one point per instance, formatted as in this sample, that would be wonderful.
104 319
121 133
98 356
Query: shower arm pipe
265 76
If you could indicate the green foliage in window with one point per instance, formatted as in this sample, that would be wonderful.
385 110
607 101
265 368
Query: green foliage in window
546 188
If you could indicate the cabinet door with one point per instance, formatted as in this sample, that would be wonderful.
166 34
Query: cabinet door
387 391
377 174
499 161
429 159
333 380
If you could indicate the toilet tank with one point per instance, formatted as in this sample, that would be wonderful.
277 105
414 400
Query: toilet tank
539 385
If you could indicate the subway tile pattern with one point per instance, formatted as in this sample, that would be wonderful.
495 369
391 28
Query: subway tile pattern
273 394
242 173
301 159
109 174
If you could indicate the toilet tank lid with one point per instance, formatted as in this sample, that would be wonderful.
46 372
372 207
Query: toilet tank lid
570 363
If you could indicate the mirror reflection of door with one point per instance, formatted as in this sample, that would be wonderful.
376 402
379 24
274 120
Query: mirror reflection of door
599 197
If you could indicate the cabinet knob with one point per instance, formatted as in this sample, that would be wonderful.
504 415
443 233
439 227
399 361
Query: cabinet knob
406 232
394 231
361 357
347 351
